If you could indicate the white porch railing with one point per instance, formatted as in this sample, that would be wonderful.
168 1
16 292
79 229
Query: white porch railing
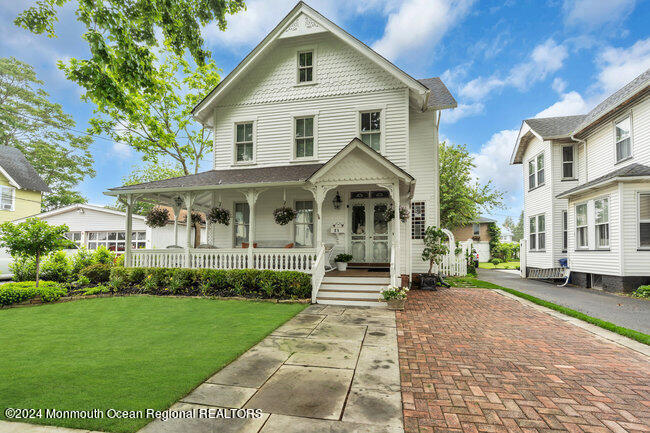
277 259
317 273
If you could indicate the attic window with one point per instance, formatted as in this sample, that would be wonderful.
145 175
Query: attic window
305 67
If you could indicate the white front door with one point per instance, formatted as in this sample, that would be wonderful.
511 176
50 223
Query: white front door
370 234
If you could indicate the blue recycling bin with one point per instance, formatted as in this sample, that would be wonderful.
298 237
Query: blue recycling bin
564 263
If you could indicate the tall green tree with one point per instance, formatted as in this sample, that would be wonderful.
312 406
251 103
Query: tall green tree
41 129
147 173
462 198
517 229
121 37
60 198
160 125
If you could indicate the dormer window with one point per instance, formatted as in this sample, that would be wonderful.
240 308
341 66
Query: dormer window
305 66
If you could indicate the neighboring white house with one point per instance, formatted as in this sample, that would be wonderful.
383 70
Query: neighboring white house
92 226
587 190
506 235
314 119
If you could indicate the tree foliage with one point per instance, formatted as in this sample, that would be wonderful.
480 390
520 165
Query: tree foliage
147 173
434 246
40 129
495 236
158 123
121 36
462 198
60 198
33 238
517 229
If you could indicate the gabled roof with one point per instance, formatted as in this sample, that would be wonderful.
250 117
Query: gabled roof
420 90
624 173
482 220
19 172
440 97
639 84
80 207
550 128
355 143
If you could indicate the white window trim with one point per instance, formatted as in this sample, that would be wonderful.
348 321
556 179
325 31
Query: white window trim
300 115
314 73
13 198
609 233
575 214
538 169
234 223
105 242
313 224
534 161
639 220
382 124
537 232
234 142
573 163
476 232
628 114
565 230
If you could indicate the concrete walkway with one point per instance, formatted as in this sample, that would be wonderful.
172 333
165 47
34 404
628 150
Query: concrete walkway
621 310
329 369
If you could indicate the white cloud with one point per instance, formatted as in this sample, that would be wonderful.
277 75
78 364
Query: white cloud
570 104
463 110
594 13
419 23
619 66
121 150
559 85
545 59
493 163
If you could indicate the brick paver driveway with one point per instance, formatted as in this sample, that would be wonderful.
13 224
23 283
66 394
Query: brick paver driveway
472 360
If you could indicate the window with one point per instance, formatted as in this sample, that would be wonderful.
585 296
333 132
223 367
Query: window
74 237
304 224
6 198
116 241
241 223
417 220
371 129
565 230
531 174
644 220
304 136
305 67
537 233
582 238
567 162
623 139
476 228
601 208
244 142
540 169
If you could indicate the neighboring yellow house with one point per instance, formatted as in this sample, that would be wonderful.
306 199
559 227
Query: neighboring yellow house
20 186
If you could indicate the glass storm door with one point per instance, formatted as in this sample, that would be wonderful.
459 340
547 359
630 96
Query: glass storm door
370 235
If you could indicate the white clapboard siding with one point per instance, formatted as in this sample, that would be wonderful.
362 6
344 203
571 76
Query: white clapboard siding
635 261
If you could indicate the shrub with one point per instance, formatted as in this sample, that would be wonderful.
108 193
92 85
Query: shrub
56 267
97 273
181 282
23 268
343 258
471 271
641 292
213 281
14 293
104 256
96 290
80 260
119 260
157 279
118 279
496 261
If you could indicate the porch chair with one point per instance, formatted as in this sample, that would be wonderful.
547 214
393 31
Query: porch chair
329 250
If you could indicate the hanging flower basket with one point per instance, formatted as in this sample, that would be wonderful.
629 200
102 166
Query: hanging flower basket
219 215
403 213
157 217
284 215
197 218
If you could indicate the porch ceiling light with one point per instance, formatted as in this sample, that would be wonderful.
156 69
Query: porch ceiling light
336 201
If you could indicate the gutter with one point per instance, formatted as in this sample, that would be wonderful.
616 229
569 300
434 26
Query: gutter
604 183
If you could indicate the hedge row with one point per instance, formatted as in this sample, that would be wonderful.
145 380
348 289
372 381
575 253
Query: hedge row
15 293
249 283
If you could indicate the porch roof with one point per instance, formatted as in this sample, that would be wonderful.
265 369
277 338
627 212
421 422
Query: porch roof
239 176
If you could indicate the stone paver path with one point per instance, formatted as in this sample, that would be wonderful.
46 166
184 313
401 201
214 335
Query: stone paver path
329 369
474 361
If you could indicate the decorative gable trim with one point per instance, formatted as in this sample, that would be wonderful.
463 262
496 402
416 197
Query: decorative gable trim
201 110
300 26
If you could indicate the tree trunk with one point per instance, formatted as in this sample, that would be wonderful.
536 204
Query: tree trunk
197 234
38 268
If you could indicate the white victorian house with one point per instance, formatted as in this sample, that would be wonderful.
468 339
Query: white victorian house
313 119
587 191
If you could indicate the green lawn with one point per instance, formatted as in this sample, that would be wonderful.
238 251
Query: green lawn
125 353
504 265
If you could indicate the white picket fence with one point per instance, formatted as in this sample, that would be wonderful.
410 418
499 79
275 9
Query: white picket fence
277 259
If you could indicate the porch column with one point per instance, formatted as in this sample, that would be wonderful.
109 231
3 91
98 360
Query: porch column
189 201
251 197
129 230
319 192
398 234
176 208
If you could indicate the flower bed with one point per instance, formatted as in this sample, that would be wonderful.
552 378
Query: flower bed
15 293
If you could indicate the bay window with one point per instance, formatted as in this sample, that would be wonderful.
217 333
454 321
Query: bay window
582 236
601 207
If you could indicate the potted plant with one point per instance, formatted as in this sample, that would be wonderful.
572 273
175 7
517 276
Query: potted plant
342 261
284 215
395 297
434 249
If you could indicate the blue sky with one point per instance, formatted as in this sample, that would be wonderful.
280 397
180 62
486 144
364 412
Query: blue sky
504 61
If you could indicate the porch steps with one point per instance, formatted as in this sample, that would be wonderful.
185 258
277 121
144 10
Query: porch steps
360 291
